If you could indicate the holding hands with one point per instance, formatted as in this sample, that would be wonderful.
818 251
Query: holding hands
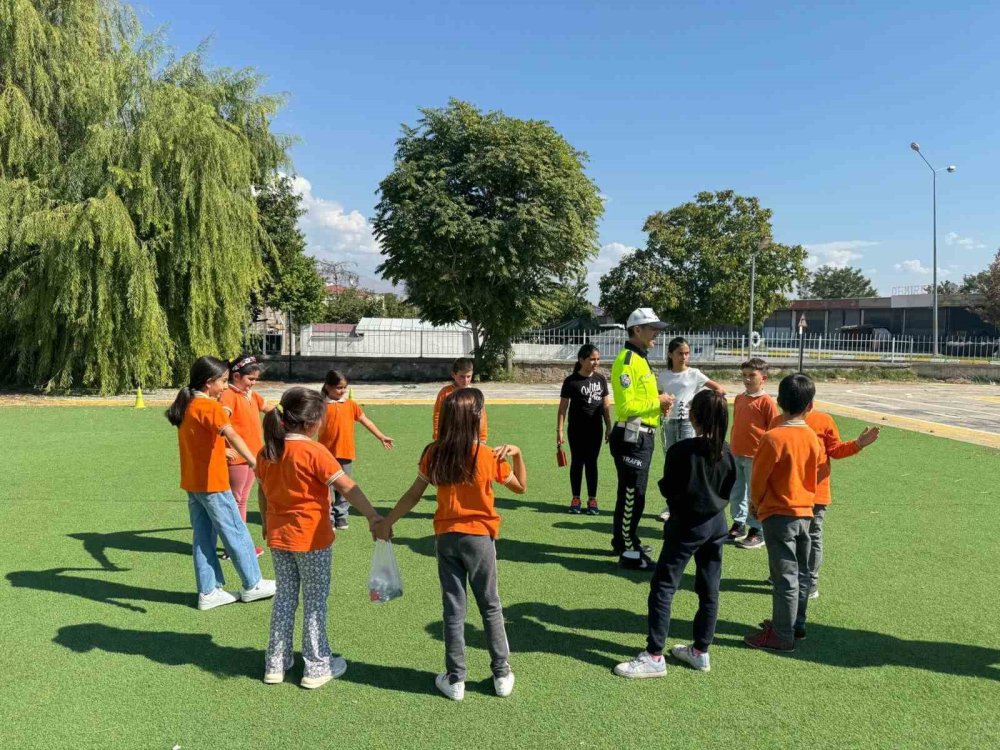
380 528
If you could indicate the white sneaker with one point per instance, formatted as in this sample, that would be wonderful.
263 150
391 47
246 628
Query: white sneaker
504 686
814 591
337 667
665 515
642 666
687 655
456 692
217 598
263 590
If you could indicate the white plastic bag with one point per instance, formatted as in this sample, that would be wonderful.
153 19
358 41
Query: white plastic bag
384 581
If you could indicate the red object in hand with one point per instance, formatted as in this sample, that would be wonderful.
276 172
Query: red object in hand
561 457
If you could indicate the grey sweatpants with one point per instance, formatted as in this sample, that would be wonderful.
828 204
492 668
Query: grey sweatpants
816 548
472 558
788 543
338 505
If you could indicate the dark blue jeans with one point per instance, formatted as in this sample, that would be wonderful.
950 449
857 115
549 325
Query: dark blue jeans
684 538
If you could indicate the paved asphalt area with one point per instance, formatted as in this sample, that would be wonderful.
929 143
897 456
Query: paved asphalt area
968 412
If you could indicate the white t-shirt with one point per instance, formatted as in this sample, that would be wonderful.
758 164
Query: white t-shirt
682 386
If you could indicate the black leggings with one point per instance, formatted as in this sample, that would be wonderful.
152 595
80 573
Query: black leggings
584 446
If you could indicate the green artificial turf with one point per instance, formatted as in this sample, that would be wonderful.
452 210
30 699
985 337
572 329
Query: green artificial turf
102 646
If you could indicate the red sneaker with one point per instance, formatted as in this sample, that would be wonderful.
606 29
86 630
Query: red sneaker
592 509
574 506
259 551
768 640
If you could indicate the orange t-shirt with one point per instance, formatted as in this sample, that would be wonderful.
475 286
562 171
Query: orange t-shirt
784 476
244 411
297 489
752 415
829 437
468 508
337 432
202 447
442 395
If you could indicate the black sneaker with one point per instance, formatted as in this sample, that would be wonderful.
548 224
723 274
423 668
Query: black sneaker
643 548
592 507
736 532
341 524
574 506
635 561
753 540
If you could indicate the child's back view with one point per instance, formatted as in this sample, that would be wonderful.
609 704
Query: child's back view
782 493
466 525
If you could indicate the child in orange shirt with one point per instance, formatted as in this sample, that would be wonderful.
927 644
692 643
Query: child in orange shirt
202 430
462 370
337 434
833 448
244 407
753 411
295 479
466 525
782 494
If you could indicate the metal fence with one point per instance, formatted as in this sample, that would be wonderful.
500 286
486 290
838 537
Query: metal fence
706 347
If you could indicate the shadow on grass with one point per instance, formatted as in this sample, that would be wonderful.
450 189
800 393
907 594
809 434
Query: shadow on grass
547 628
400 679
577 559
97 544
106 592
164 647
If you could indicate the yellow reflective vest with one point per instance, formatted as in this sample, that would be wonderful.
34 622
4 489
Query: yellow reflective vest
634 387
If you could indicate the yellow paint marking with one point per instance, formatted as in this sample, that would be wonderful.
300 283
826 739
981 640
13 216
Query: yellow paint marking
963 434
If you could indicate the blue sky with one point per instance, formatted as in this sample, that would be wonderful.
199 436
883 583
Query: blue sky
811 109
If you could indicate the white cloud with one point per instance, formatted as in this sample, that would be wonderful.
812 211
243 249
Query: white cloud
839 254
915 266
334 233
969 243
609 256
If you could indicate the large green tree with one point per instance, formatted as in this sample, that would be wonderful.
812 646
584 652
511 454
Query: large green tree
837 283
641 279
483 217
695 268
129 236
292 282
988 285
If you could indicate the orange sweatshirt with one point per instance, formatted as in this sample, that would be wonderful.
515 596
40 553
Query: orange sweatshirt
752 416
785 471
826 429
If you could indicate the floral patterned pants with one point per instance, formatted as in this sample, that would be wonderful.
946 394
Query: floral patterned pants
311 571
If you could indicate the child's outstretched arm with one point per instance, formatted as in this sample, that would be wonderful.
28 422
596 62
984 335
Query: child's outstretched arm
352 493
387 442
519 482
406 503
237 442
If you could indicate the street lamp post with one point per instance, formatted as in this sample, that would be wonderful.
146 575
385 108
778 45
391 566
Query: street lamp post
934 288
753 281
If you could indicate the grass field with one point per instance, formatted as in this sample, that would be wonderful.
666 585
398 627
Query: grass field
102 646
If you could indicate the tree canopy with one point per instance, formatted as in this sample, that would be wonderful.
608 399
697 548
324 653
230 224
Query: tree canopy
129 235
828 282
292 282
483 217
988 284
695 268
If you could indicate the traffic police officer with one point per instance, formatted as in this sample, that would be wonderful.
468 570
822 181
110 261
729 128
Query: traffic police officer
638 407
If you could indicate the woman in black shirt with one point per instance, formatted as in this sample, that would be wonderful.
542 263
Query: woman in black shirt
586 397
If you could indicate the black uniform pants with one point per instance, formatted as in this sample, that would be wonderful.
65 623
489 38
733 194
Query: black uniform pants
632 462
585 438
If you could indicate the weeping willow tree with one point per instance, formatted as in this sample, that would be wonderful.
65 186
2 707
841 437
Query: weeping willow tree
129 236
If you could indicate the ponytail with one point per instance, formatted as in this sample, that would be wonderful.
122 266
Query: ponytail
299 408
175 413
710 413
274 434
204 370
